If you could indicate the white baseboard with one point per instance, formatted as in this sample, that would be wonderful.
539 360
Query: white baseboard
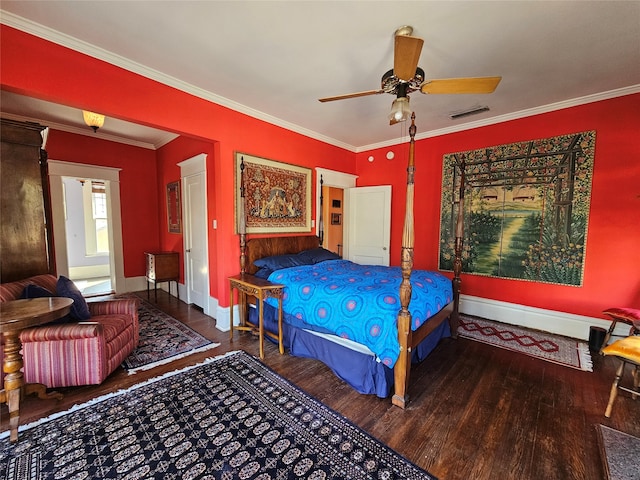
560 323
223 319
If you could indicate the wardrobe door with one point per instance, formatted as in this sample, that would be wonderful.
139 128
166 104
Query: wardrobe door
23 226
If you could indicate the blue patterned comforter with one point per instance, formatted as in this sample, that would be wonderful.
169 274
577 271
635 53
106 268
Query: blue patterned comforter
360 302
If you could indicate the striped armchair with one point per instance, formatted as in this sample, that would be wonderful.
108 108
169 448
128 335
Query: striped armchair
78 353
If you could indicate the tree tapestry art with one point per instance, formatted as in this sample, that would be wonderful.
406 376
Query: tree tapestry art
526 208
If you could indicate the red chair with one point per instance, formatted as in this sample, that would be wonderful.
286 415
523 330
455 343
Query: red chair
630 316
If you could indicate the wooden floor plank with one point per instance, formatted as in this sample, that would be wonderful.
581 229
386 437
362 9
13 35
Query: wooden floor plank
476 411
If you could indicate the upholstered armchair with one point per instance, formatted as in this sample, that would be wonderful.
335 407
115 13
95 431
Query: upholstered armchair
76 352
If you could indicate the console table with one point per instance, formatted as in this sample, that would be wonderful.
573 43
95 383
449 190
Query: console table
162 267
251 286
15 316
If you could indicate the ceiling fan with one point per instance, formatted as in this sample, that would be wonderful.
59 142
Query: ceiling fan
406 77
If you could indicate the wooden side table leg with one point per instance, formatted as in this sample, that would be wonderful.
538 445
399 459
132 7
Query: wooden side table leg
261 324
13 380
280 345
231 312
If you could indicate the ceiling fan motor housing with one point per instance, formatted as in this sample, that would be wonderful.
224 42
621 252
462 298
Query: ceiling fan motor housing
392 84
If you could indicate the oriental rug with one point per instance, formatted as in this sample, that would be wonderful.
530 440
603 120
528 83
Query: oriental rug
619 452
228 417
546 346
163 339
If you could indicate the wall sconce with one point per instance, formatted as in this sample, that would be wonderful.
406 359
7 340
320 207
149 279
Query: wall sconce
94 120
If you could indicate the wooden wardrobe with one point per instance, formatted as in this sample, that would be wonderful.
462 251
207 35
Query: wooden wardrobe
25 210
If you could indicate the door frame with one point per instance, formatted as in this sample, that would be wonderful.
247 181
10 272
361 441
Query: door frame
111 176
332 178
195 166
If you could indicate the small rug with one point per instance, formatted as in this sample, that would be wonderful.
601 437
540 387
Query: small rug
163 339
229 417
619 454
552 348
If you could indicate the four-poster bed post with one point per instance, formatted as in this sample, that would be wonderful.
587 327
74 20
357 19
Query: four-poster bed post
403 364
242 223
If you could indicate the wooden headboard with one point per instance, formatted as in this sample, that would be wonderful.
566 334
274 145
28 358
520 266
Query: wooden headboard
267 246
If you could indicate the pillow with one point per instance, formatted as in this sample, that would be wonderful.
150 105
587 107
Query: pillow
277 262
35 291
317 255
263 273
66 288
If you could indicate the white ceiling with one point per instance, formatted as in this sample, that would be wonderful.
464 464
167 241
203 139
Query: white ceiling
274 59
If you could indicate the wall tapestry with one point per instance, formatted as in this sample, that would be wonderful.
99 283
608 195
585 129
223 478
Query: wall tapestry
526 208
174 211
277 196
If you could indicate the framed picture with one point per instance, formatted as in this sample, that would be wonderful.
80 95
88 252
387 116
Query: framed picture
174 215
336 219
277 196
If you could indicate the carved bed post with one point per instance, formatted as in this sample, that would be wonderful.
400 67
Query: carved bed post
321 219
402 367
242 222
457 262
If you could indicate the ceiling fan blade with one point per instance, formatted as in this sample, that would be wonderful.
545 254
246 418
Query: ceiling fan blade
461 85
405 56
351 95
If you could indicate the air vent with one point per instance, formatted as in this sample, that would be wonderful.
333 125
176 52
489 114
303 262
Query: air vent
466 113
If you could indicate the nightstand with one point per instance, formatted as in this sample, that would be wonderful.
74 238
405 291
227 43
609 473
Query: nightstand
162 267
251 286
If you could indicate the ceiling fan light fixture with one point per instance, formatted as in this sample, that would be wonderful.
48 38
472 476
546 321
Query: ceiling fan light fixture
93 120
400 110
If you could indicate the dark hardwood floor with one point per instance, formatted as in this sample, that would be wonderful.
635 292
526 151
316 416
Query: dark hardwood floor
476 411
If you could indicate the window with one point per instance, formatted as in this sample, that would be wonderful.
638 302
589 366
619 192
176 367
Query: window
95 215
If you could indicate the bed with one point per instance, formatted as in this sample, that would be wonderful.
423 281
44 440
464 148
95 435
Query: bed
364 363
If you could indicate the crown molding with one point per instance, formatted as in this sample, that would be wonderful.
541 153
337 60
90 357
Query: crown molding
552 107
72 43
89 133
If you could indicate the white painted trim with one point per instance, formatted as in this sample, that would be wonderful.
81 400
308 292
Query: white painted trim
552 107
560 323
57 170
68 41
90 133
331 178
65 40
197 165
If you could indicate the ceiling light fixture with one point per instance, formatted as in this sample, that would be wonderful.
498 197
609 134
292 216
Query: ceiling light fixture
400 110
94 120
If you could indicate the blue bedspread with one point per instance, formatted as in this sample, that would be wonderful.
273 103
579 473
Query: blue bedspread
360 302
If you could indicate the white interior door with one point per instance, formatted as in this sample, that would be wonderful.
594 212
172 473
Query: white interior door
368 224
195 231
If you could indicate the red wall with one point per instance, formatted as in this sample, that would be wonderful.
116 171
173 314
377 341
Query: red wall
38 68
612 260
41 69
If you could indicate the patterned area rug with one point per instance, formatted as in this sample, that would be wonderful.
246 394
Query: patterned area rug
619 454
553 348
229 417
163 339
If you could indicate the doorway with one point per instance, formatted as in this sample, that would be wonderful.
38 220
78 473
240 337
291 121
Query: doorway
87 234
109 179
193 173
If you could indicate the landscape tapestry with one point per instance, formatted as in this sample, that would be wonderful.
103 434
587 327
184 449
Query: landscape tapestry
526 208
